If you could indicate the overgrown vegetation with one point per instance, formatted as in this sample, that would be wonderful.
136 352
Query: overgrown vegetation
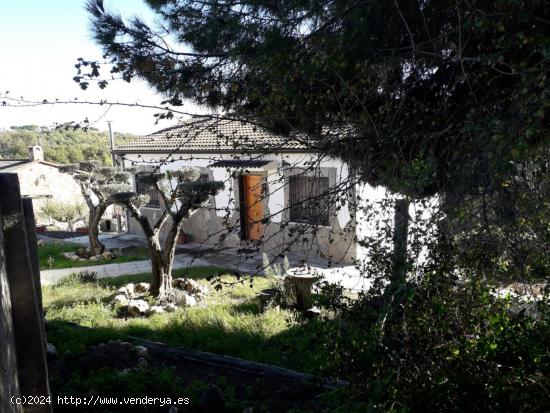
60 145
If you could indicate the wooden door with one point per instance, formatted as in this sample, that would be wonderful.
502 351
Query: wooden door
253 206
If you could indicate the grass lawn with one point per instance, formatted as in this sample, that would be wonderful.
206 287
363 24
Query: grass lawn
228 322
56 250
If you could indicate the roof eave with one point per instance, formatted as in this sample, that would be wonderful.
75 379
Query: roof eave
212 151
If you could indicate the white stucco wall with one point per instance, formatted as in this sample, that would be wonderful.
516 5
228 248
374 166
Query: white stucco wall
275 177
331 238
373 217
41 182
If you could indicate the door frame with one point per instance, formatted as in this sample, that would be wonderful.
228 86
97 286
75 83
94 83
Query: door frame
243 205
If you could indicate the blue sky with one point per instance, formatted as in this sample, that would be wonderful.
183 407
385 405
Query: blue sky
40 41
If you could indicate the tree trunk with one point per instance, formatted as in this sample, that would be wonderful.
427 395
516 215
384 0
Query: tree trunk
161 269
400 235
96 247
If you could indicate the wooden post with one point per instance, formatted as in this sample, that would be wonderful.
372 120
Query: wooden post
9 378
30 226
400 235
28 322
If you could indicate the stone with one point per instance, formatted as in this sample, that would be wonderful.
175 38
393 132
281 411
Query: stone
123 290
142 288
169 307
182 298
95 257
142 363
51 350
137 307
70 256
108 255
312 313
186 284
190 301
212 400
126 345
156 309
141 351
130 289
120 299
191 287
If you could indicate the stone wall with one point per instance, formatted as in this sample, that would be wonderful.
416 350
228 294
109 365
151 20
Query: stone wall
41 181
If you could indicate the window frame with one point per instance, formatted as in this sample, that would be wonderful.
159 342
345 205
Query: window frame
303 214
149 191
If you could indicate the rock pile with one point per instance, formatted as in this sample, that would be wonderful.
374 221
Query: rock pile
191 287
84 255
117 354
131 299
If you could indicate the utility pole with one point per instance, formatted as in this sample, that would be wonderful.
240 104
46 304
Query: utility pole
112 143
113 158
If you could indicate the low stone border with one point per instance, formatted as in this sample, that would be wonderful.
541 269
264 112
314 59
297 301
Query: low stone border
233 363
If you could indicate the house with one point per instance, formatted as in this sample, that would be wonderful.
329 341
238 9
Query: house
41 180
279 194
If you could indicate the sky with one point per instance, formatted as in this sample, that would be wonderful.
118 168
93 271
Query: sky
40 41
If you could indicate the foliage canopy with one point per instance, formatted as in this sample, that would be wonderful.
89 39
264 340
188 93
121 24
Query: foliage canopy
438 92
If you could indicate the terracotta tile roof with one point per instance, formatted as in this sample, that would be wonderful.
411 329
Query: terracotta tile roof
212 135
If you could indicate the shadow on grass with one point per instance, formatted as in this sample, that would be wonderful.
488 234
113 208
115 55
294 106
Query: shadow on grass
297 347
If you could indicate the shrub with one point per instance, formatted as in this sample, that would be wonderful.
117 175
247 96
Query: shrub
81 277
439 345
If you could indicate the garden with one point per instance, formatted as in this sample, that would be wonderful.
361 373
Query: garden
81 321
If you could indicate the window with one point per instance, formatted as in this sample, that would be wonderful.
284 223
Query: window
154 197
308 199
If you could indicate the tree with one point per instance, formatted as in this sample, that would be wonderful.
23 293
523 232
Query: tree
61 145
97 185
436 96
417 95
181 195
64 212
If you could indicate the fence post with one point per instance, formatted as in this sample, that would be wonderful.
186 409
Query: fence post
22 277
9 380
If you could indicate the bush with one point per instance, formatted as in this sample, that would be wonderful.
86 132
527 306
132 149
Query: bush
440 345
81 277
